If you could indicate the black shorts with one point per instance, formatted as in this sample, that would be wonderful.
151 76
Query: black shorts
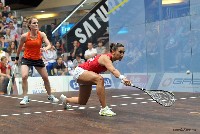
35 63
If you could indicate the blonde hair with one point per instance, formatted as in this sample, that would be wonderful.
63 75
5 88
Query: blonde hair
3 57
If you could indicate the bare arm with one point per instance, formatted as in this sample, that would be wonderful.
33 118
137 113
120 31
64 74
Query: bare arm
65 71
55 71
21 43
105 61
2 74
7 73
73 53
88 56
45 39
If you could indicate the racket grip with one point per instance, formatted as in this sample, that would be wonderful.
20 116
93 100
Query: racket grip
132 85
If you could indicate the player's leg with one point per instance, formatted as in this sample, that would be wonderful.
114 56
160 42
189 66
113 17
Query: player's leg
86 79
3 85
89 77
43 72
1 82
25 72
84 94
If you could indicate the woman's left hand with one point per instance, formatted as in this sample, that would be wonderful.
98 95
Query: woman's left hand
44 49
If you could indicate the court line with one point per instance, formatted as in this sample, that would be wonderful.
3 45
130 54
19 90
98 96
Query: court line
81 107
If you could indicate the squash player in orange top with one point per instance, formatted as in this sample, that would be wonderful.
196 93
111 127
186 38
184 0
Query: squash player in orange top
32 42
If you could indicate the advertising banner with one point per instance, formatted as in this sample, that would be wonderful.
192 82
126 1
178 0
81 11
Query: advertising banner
57 83
108 83
139 79
36 84
180 82
92 27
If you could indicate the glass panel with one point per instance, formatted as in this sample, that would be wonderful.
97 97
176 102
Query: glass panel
163 38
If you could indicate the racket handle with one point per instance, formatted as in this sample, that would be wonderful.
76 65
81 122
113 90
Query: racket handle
132 85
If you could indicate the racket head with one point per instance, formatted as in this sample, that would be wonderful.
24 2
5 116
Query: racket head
9 86
10 83
164 98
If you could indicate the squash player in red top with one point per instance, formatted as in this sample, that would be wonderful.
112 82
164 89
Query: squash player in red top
32 42
87 74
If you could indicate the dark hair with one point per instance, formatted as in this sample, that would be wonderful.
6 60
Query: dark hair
90 42
100 41
114 46
78 55
59 57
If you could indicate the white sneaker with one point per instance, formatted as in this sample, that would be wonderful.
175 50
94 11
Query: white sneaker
53 99
25 100
106 112
63 99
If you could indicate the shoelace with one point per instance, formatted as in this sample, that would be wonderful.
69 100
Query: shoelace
50 98
26 99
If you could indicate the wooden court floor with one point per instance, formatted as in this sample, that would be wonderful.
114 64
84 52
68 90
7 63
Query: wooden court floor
136 114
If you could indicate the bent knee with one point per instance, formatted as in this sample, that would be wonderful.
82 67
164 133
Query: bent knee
45 79
25 77
99 79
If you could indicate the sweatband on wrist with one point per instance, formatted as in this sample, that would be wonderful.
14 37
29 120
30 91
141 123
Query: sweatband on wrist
16 58
121 77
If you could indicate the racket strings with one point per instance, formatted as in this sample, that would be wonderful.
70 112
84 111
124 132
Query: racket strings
163 98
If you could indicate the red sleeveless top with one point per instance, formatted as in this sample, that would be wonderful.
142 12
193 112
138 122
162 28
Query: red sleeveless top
32 47
93 64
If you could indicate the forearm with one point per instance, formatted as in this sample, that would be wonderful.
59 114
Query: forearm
56 71
2 74
48 47
115 72
73 53
89 56
19 50
66 70
86 57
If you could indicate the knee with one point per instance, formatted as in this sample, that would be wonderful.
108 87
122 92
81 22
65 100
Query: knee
99 79
45 79
25 77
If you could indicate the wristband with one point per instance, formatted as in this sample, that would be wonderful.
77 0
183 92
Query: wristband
16 58
121 77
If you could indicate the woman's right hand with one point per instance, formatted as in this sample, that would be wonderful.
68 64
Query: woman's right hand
16 61
7 75
126 82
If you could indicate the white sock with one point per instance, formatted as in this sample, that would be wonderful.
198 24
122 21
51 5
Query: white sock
26 96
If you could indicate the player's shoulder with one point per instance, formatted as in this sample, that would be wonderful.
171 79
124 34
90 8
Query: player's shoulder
41 33
24 35
105 56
